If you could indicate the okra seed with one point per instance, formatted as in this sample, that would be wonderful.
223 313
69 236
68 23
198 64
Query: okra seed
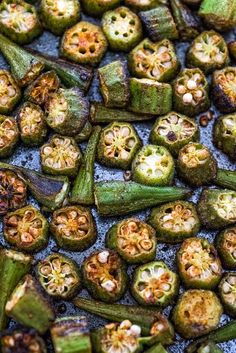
191 84
103 257
187 98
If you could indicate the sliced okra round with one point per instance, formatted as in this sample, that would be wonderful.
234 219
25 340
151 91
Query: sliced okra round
153 165
118 145
74 228
190 92
175 221
196 164
33 128
26 229
104 275
199 264
22 341
9 135
154 284
85 133
58 15
226 246
98 7
59 276
61 156
197 313
225 134
19 21
208 51
133 239
84 43
227 292
224 92
122 28
157 61
10 93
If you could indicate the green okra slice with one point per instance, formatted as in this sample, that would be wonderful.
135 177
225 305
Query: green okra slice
175 221
144 5
157 348
159 23
10 93
84 43
104 275
133 239
26 229
223 92
73 227
123 28
208 51
61 156
206 346
114 84
71 335
22 341
226 178
224 135
32 124
150 97
216 208
58 15
83 188
98 7
226 247
190 92
154 284
199 264
227 292
154 60
19 21
85 133
29 306
117 145
9 135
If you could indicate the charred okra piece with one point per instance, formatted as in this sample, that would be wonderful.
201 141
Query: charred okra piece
84 43
33 128
13 266
227 291
122 28
175 221
114 84
58 15
10 93
26 229
22 341
156 61
206 346
150 97
224 94
85 133
118 145
98 7
190 92
199 264
226 246
208 51
83 188
154 166
9 135
104 275
61 156
225 134
74 228
217 208
19 21
71 335
133 239
28 305
144 5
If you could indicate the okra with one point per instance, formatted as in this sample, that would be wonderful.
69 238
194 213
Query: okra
207 346
9 135
227 292
196 313
226 178
190 92
123 28
114 84
140 5
85 133
223 91
157 61
60 156
117 197
225 134
98 7
84 43
226 246
175 221
157 348
150 97
71 335
10 93
19 21
73 228
232 49
159 23
22 341
13 266
154 284
29 306
83 188
104 275
133 239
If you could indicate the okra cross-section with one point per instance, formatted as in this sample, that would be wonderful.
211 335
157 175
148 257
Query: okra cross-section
104 275
226 246
118 145
175 221
26 229
98 7
9 135
22 341
61 156
59 276
133 239
154 284
199 264
73 227
227 291
224 91
9 92
225 134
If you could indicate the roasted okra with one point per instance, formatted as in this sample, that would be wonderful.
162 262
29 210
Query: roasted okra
226 246
9 92
9 135
22 341
206 346
227 292
98 7
223 92
141 5
225 134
